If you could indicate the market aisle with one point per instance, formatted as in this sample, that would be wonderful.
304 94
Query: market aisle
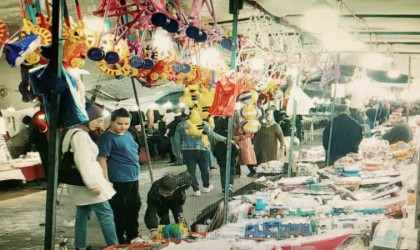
21 217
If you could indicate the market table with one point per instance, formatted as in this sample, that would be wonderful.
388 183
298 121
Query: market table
25 173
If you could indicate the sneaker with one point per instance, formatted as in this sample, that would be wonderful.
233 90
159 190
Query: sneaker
231 189
208 189
197 193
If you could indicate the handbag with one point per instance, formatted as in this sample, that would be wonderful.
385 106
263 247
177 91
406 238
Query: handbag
68 172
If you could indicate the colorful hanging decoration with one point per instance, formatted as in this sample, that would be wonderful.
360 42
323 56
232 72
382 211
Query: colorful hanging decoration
23 51
204 102
227 90
249 112
4 33
195 127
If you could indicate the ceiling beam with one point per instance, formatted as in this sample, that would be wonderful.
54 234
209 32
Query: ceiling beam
367 16
391 33
392 43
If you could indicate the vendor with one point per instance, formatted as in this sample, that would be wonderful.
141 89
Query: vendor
167 193
400 130
346 135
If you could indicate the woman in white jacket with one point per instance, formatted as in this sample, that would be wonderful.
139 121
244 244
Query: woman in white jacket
97 190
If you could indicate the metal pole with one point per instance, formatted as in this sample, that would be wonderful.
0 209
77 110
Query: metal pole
332 117
409 85
230 123
143 131
54 142
292 134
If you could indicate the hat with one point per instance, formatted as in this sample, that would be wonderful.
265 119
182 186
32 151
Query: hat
168 183
94 111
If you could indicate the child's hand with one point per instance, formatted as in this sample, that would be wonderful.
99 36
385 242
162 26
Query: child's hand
96 191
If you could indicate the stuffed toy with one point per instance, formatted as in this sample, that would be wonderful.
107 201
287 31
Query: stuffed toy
249 112
190 95
195 127
205 100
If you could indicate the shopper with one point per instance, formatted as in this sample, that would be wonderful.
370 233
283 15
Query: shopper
95 195
247 154
194 152
220 153
266 140
346 135
118 156
400 130
166 194
171 134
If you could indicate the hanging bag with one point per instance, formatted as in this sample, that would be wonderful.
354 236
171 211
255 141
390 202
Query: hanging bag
68 172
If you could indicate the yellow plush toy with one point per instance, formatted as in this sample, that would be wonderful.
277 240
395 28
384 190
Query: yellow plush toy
190 95
205 100
195 127
195 124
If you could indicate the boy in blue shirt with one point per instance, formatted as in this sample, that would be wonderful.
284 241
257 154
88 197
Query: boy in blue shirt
119 159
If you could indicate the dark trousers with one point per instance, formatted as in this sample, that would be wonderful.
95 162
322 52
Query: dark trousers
250 167
191 159
163 213
223 174
126 205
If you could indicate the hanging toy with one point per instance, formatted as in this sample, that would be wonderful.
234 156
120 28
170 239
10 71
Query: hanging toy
39 120
195 127
4 33
190 95
205 100
249 112
16 52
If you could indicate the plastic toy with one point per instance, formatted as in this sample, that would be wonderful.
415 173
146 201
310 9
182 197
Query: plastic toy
391 189
369 210
4 33
301 212
278 230
273 212
338 211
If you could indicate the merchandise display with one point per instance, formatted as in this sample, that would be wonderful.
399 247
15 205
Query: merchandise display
338 209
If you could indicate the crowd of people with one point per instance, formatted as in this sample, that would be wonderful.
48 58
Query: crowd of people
109 165
344 133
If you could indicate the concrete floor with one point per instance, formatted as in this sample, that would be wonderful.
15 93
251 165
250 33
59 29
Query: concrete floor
22 217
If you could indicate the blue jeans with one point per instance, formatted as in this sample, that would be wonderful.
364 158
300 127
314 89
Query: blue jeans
105 217
191 159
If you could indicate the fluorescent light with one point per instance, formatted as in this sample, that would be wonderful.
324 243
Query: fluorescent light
167 105
393 72
374 60
163 44
106 113
321 17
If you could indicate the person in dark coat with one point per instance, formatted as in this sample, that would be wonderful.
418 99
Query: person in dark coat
347 134
167 193
171 127
220 153
400 131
